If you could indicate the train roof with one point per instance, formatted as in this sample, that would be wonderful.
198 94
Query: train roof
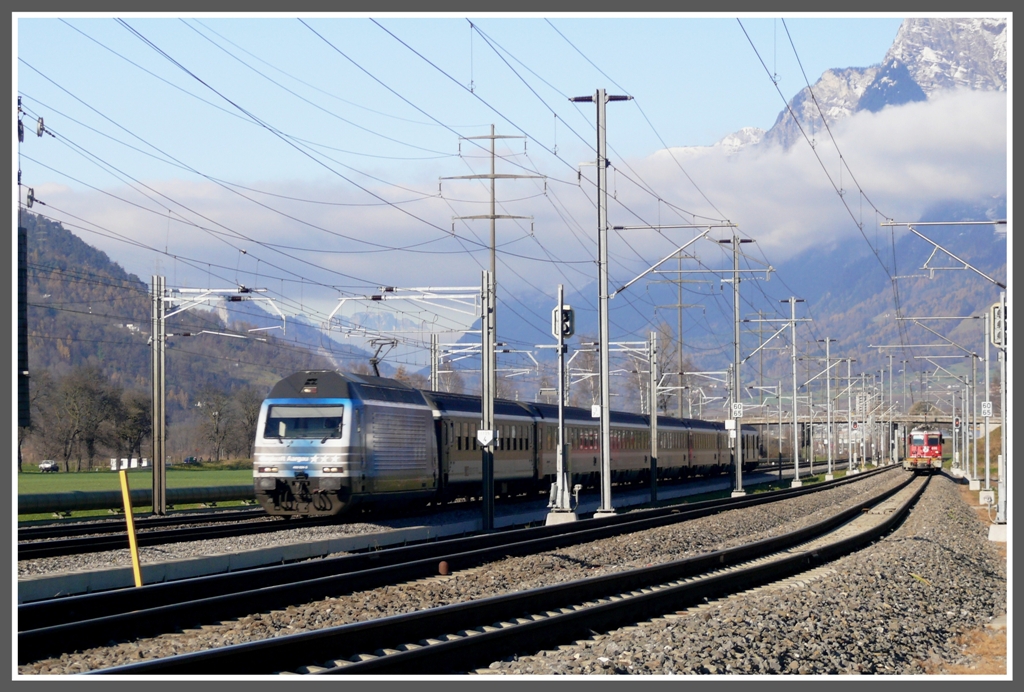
467 403
688 423
331 384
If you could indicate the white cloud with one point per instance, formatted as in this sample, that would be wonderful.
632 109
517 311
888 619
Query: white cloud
905 158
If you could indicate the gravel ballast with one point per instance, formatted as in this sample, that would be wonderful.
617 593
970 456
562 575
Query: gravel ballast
662 545
902 606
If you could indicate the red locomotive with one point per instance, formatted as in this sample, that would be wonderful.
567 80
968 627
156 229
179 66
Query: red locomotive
924 451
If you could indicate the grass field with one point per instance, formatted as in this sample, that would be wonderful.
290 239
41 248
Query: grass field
31 483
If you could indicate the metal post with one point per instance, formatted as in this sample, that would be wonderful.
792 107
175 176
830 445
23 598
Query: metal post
988 401
159 418
888 427
679 356
974 417
779 390
737 405
1004 466
600 99
434 379
653 356
796 441
487 384
604 339
560 506
828 410
849 415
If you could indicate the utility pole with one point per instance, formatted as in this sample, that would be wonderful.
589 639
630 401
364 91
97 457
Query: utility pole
1004 466
434 377
849 416
653 357
486 435
890 439
160 297
492 216
737 405
679 305
159 419
600 99
796 442
986 406
828 396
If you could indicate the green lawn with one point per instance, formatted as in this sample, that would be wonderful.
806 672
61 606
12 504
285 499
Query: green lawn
31 482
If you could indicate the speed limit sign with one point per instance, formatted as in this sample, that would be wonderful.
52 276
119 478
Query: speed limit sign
986 409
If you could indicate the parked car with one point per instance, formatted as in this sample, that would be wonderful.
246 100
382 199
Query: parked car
48 466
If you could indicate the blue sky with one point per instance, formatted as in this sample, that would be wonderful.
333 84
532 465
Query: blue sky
697 80
328 183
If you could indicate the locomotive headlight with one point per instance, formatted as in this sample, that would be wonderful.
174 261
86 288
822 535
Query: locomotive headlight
268 469
332 469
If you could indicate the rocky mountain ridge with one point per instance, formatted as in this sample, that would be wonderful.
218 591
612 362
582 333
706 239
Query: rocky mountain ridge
928 55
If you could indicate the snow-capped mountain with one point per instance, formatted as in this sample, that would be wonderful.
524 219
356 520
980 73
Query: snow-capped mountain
951 53
927 56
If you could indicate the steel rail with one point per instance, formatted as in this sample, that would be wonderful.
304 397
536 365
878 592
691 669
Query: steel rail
89 528
34 550
54 626
622 598
58 625
72 609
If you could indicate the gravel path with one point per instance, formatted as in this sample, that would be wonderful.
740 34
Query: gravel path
513 574
903 606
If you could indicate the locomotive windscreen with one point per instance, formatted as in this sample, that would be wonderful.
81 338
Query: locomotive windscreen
304 422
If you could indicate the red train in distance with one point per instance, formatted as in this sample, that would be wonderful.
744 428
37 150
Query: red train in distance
924 451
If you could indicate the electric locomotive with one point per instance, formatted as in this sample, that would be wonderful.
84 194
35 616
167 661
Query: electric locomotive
328 441
924 453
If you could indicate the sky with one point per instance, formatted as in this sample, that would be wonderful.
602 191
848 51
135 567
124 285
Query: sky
316 156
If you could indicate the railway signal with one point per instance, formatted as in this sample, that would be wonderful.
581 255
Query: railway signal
563 319
998 335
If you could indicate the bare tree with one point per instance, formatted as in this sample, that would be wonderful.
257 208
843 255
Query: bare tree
450 378
413 379
133 422
73 413
585 392
248 402
215 417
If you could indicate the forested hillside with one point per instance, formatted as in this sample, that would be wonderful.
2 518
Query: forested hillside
89 360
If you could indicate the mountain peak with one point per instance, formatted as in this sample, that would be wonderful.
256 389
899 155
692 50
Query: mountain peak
949 53
928 55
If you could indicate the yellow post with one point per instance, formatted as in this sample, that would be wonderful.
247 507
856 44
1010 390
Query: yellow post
136 569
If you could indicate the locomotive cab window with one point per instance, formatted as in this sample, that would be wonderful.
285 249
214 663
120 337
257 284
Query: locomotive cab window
304 422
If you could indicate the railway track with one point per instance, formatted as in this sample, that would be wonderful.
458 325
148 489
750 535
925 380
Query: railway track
54 540
52 531
66 624
464 636
35 549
